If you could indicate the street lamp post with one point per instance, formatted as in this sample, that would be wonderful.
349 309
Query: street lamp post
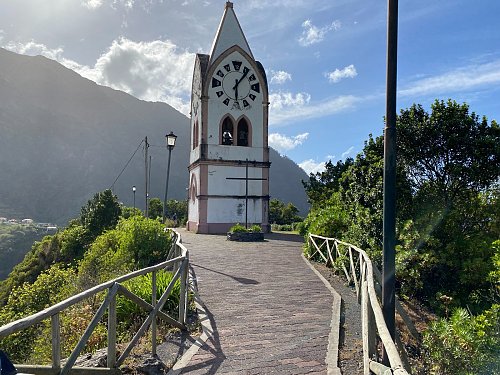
170 139
133 190
389 213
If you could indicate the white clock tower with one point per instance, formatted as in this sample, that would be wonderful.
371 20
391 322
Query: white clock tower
229 159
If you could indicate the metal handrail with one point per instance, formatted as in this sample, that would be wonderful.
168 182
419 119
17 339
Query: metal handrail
178 258
361 273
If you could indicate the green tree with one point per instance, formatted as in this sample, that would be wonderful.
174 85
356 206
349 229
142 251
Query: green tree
281 213
177 209
155 208
130 211
275 208
449 152
100 213
447 203
322 184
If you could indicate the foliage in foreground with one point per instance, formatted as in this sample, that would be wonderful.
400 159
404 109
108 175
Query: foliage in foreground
68 246
141 286
448 223
464 344
73 260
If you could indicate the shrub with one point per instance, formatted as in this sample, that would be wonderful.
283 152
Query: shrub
50 287
136 242
464 344
255 228
142 286
238 228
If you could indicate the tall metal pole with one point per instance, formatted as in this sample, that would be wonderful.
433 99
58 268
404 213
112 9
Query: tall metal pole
133 190
388 271
246 195
146 174
149 183
166 186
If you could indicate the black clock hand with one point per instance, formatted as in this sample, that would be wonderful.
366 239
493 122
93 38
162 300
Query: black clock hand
235 88
241 79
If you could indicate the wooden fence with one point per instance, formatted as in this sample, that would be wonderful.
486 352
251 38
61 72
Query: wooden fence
177 259
366 278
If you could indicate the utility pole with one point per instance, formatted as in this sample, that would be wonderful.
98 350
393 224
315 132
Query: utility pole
149 178
146 146
389 253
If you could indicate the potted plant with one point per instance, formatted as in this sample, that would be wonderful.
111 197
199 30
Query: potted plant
239 233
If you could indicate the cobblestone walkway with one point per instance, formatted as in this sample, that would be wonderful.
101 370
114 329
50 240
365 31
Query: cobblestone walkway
270 312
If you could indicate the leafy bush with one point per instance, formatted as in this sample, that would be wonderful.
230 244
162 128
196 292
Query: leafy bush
282 227
464 345
238 228
100 213
255 228
50 287
74 322
169 223
136 242
142 287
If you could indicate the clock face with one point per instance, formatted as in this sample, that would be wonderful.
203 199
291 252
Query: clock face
236 85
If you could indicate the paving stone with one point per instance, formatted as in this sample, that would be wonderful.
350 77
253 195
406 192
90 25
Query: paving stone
270 313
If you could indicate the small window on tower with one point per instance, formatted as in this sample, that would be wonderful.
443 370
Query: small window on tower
242 133
227 132
195 134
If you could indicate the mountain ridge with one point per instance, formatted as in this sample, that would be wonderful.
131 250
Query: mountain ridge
64 137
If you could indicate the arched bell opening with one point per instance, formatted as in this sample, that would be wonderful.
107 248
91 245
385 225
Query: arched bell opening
227 132
243 133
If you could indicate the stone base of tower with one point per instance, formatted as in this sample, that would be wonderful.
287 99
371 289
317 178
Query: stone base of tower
216 228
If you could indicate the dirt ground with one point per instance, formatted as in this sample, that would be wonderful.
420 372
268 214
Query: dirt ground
351 342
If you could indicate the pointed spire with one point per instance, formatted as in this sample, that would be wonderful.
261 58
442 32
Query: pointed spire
228 34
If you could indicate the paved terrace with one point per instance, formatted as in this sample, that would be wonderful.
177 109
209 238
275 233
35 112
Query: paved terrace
269 311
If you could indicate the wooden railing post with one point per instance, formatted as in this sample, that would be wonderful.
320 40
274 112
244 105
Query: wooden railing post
153 323
111 359
365 323
183 291
56 341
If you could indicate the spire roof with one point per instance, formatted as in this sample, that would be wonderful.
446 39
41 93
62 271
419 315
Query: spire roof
228 34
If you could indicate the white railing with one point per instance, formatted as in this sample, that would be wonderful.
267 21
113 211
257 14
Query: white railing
366 278
177 259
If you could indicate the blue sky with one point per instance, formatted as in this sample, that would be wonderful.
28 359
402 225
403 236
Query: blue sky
325 59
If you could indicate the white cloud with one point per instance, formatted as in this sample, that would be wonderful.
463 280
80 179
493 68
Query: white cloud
458 80
33 48
279 77
92 4
281 100
347 152
311 166
338 74
283 143
312 34
284 4
153 71
286 108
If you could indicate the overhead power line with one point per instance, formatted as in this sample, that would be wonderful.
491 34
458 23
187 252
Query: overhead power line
126 165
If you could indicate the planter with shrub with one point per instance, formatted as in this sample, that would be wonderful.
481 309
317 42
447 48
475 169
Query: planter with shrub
239 233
